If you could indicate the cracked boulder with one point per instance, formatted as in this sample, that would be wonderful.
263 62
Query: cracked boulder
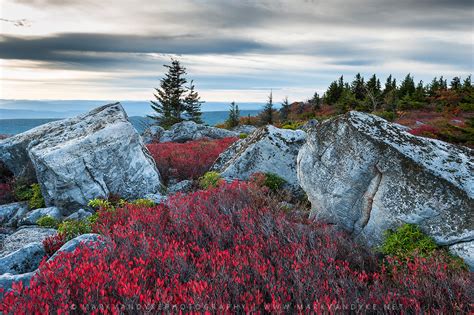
89 156
368 175
266 150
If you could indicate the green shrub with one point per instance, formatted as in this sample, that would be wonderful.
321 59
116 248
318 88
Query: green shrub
210 179
273 181
98 203
48 222
293 125
143 202
73 228
30 193
407 241
243 135
390 116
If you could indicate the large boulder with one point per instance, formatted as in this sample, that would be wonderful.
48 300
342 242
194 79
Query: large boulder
267 150
189 130
23 260
247 129
368 175
94 241
7 280
85 157
152 134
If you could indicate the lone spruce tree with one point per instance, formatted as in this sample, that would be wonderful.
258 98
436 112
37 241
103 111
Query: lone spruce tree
174 101
267 114
234 116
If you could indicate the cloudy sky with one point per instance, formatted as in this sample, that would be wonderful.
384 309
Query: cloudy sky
234 50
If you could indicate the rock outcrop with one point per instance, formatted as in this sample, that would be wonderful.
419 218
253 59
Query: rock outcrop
267 150
12 212
85 157
368 175
92 240
189 130
152 134
247 129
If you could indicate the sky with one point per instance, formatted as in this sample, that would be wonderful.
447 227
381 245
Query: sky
233 50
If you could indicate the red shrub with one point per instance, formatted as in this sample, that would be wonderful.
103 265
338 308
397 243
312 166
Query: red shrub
425 131
6 193
188 160
53 243
222 250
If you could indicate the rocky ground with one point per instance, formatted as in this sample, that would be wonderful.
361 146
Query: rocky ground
358 171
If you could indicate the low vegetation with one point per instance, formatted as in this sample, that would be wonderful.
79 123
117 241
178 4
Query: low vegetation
189 160
30 193
227 245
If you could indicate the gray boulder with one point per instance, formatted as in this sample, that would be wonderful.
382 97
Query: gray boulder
267 150
79 215
10 213
92 240
247 129
23 260
156 198
85 157
183 186
31 217
312 123
189 130
367 175
23 237
152 134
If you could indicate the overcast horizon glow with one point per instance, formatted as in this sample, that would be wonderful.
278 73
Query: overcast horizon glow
234 50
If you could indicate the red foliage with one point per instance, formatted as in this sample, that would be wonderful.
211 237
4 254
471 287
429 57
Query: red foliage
188 160
222 250
53 243
6 193
425 131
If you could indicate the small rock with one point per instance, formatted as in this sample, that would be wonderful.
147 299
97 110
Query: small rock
189 130
91 239
23 260
156 198
79 215
182 186
247 129
33 216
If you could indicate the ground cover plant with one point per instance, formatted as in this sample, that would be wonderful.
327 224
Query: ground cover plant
231 249
188 160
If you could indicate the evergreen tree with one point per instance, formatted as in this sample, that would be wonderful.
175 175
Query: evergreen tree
267 114
334 91
455 84
192 104
315 102
173 99
358 87
467 84
443 84
420 92
434 87
234 116
407 87
285 109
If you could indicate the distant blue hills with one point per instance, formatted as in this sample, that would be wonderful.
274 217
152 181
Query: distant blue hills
17 116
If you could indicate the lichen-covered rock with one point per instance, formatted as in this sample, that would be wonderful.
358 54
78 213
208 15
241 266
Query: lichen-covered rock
23 237
465 250
31 217
156 198
183 186
189 130
367 175
152 134
23 260
312 123
247 129
267 150
85 157
9 211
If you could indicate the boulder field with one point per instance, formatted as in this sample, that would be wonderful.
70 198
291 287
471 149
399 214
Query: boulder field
368 175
